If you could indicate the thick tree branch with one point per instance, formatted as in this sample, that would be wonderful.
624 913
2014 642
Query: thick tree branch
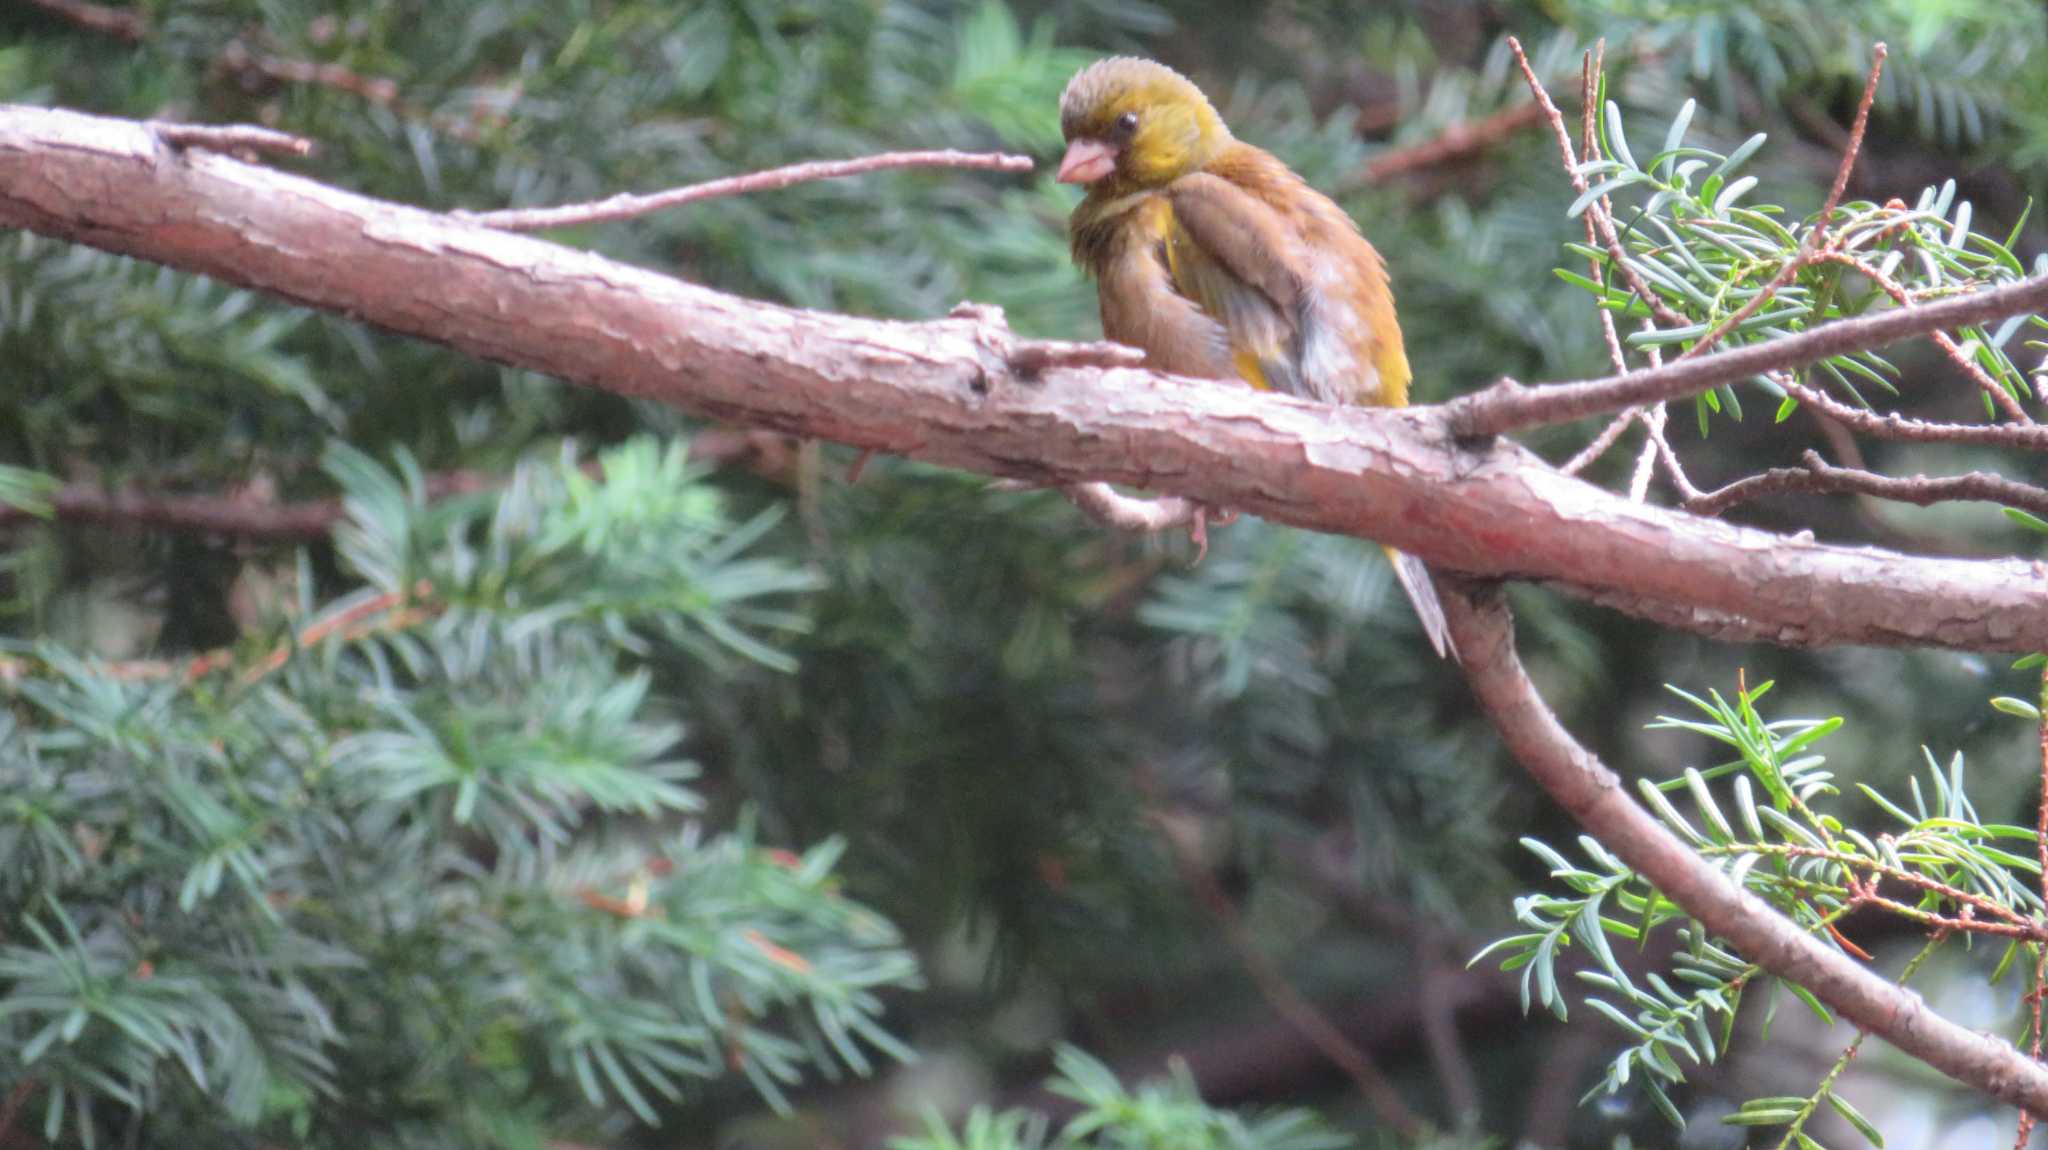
1594 795
964 392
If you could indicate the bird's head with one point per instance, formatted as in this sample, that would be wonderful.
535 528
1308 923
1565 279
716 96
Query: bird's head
1136 124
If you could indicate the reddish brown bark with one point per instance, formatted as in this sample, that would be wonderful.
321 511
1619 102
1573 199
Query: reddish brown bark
949 391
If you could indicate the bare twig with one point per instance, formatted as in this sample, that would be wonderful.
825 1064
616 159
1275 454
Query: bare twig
1440 1032
1596 798
230 138
1508 406
1596 213
1616 357
1673 469
239 57
120 23
1606 439
622 207
1816 475
1459 142
1655 444
1892 425
1288 1002
1878 52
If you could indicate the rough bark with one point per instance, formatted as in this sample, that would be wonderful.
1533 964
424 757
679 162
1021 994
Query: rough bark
1594 796
949 391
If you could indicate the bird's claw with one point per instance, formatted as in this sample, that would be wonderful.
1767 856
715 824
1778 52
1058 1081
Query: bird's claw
1198 528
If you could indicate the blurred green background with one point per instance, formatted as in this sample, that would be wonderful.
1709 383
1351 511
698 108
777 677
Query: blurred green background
1044 753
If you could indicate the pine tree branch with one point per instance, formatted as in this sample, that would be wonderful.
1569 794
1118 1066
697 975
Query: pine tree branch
306 520
1595 796
952 392
1509 406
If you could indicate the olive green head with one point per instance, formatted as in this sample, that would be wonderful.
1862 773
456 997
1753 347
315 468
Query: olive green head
1136 124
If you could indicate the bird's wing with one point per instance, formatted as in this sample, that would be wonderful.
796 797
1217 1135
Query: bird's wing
1287 303
1142 306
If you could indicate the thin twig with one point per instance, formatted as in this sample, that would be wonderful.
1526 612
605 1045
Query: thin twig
230 138
239 57
1650 298
1949 347
1673 469
1656 444
1508 406
1878 52
1598 447
1290 1003
1816 475
1457 143
1816 240
2025 1132
120 23
628 206
1440 1034
1616 357
1892 425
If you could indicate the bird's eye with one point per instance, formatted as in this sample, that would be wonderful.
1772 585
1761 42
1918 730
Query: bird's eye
1127 123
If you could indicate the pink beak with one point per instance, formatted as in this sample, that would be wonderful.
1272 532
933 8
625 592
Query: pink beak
1086 161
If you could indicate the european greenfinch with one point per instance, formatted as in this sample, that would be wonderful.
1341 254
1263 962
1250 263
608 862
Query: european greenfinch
1217 261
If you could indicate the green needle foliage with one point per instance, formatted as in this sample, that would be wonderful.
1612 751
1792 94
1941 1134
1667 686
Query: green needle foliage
1156 1115
1707 255
574 791
400 827
1763 818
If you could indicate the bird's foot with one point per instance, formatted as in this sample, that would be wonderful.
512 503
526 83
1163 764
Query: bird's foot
1198 527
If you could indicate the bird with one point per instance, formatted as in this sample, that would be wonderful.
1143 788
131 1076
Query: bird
1217 261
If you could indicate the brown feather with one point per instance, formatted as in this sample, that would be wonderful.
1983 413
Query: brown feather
1220 262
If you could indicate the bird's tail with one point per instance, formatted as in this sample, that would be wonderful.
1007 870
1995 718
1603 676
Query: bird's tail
1415 581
